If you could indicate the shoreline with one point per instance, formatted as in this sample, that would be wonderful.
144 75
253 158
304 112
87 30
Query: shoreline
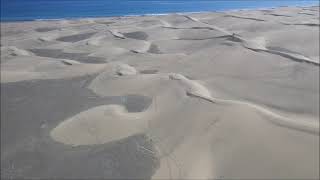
153 14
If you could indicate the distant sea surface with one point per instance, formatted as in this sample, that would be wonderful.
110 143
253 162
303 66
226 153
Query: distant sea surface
23 10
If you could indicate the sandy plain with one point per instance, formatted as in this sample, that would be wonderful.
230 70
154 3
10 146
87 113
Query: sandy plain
220 95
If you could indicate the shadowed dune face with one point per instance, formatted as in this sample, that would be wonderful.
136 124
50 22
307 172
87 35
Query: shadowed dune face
105 22
149 71
136 103
139 35
283 15
76 37
45 29
59 54
154 49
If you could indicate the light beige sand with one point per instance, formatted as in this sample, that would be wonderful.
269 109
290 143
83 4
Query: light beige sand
234 94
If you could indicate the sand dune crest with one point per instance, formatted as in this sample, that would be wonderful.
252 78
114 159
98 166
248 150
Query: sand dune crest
99 125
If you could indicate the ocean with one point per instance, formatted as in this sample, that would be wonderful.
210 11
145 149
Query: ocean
24 10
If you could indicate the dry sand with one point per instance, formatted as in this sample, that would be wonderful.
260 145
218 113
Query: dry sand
220 95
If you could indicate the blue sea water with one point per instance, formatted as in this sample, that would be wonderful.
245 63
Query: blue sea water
20 10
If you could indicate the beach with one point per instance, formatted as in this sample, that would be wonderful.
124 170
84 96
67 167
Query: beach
212 95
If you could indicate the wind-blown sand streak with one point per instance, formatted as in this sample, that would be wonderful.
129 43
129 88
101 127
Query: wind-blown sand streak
194 89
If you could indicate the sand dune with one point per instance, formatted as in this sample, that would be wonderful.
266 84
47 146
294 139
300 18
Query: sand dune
117 34
59 54
221 95
46 38
14 51
99 125
44 68
166 144
259 45
125 70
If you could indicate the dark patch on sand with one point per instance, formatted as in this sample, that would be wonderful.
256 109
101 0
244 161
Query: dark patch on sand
154 49
76 38
31 109
59 54
45 29
149 71
272 14
139 35
136 103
